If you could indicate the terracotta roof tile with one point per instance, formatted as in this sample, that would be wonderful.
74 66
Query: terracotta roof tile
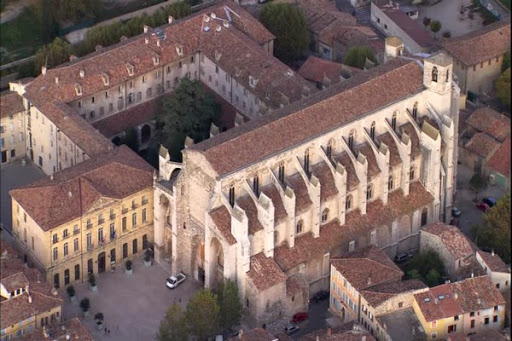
328 186
482 145
500 160
279 211
377 294
72 327
491 122
345 334
418 197
479 46
452 238
471 294
487 334
248 205
303 201
339 104
15 281
256 334
222 219
117 174
367 267
11 103
346 162
294 285
129 118
373 167
264 272
408 25
415 141
493 262
394 155
315 69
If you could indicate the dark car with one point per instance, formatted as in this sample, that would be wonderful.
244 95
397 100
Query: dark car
456 212
401 257
299 317
291 329
489 201
482 206
320 296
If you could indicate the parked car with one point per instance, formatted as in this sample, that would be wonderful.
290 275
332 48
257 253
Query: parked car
482 206
291 329
489 201
175 280
299 317
401 257
456 212
320 296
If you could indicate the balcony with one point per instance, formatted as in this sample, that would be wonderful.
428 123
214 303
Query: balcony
89 226
65 236
112 216
101 241
90 247
55 240
75 232
134 206
101 221
144 201
124 211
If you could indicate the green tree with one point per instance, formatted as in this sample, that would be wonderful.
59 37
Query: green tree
356 56
288 24
229 302
189 111
172 327
506 61
477 184
433 278
503 88
53 54
426 22
494 232
426 266
202 315
435 26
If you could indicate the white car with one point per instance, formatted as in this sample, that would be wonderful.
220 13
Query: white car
175 280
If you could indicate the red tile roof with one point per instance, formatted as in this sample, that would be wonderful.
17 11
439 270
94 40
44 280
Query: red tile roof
411 27
394 155
256 334
469 295
264 272
367 267
500 160
367 151
295 285
267 135
222 219
479 46
303 201
315 69
279 211
452 238
482 145
328 186
380 293
11 103
493 262
15 281
415 141
75 190
73 327
491 122
322 15
248 205
346 162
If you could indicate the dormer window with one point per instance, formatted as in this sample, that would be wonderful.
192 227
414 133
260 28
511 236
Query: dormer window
156 60
105 78
130 69
179 50
434 74
78 90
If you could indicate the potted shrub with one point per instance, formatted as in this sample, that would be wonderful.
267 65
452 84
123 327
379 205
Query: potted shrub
147 257
85 305
129 269
99 320
71 292
92 282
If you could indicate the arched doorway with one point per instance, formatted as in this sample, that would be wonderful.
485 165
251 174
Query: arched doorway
145 133
101 262
113 256
424 217
198 258
216 262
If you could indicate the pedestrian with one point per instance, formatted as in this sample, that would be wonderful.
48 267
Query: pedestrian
179 299
105 331
108 331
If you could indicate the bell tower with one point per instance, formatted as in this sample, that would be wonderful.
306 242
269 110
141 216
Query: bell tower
437 73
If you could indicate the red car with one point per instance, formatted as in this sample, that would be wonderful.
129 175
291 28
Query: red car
482 206
299 317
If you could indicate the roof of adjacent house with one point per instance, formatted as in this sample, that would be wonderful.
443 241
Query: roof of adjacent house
409 26
469 295
222 219
347 332
316 69
264 272
72 327
493 262
248 205
481 45
326 178
452 238
11 103
313 116
500 160
71 192
256 334
15 281
490 122
482 145
380 293
321 15
367 267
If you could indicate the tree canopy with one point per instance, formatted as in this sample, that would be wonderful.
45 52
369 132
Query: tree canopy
477 184
288 24
172 327
494 232
435 26
426 266
503 88
202 315
188 111
356 56
230 306
53 54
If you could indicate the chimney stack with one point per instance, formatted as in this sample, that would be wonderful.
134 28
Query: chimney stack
43 70
492 252
56 80
478 301
455 295
369 281
329 331
240 334
72 58
146 28
170 19
146 40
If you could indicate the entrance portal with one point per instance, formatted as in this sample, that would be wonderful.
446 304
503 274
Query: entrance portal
101 262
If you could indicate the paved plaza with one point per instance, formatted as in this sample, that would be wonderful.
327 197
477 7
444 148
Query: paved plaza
132 305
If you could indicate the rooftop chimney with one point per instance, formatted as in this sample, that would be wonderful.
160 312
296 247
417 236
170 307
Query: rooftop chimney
363 338
51 176
455 295
478 301
158 42
318 338
29 299
56 80
146 28
329 331
43 70
146 40
492 252
369 280
123 38
240 334
170 19
98 47
472 275
72 58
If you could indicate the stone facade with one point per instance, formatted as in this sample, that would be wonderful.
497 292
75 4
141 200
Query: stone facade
12 127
